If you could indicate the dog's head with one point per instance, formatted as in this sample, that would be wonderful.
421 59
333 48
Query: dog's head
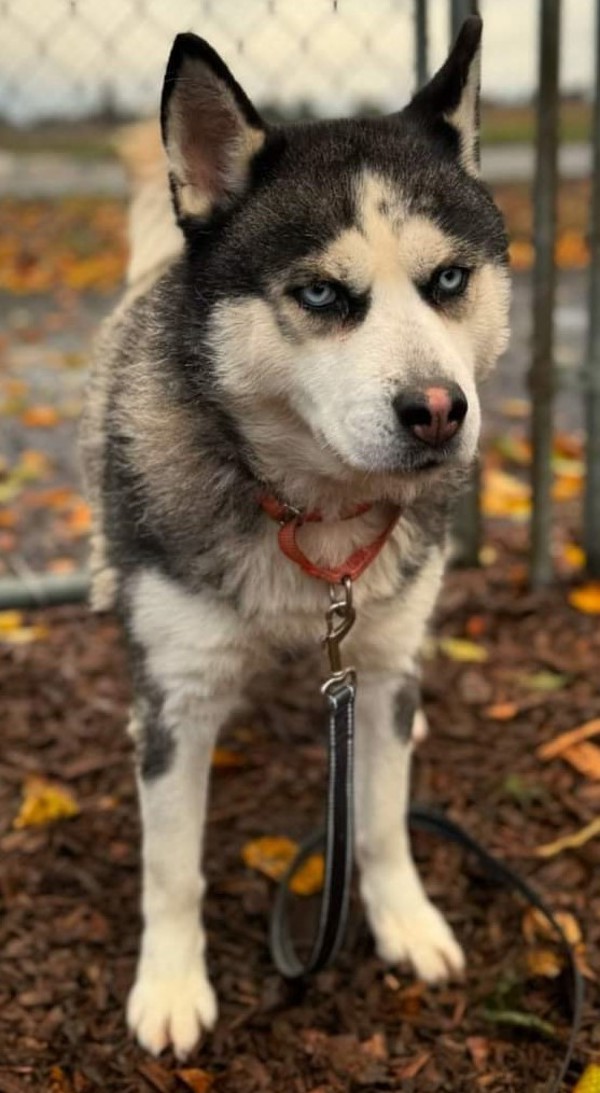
351 274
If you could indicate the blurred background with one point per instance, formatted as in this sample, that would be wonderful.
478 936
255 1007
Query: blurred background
75 72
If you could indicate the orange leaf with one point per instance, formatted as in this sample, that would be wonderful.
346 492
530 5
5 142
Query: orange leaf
199 1081
536 926
61 565
8 519
586 598
585 758
79 520
502 711
224 759
40 417
567 739
566 487
272 855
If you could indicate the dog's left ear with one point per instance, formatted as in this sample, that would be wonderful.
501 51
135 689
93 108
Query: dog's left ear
452 95
210 129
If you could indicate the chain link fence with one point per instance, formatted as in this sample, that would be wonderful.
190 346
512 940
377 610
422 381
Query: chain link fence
74 71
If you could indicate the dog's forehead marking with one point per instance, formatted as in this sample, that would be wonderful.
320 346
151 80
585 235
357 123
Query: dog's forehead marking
388 240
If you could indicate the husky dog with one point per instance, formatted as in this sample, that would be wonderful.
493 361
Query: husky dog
312 327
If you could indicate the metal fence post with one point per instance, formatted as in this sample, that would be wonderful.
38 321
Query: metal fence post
592 372
542 371
421 67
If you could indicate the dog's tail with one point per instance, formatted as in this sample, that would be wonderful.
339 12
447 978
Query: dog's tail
154 238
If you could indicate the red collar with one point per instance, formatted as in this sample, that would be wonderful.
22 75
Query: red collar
290 520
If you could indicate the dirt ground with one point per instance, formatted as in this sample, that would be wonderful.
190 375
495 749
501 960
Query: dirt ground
69 891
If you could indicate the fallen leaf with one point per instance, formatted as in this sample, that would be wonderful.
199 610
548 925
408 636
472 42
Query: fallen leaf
61 565
8 519
504 495
13 631
375 1046
569 445
272 855
515 449
59 1082
556 747
537 927
519 1019
476 626
545 963
502 711
479 1049
585 758
413 1067
78 520
573 556
515 407
44 802
586 598
460 649
40 417
566 487
488 555
224 759
544 681
199 1081
570 842
590 1080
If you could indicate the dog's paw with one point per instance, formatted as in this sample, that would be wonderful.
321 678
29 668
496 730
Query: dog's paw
164 1011
408 929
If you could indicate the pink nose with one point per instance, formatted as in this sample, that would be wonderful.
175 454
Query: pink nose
433 414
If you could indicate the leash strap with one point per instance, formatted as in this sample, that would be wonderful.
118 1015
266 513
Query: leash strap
337 838
339 847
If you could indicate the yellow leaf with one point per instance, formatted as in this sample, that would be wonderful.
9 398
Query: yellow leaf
568 739
570 842
573 556
309 878
199 1081
462 650
590 1080
544 962
488 555
44 802
514 448
272 855
586 598
10 620
504 495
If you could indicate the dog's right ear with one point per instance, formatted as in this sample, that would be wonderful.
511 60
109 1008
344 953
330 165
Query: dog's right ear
210 129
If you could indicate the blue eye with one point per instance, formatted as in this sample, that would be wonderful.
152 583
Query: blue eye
451 281
318 296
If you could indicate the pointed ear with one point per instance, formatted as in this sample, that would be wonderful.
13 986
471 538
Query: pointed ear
210 129
452 95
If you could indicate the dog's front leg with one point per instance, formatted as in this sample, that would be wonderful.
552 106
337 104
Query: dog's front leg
172 1000
406 925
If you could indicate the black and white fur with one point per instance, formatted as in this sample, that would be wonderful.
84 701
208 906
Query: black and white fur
213 383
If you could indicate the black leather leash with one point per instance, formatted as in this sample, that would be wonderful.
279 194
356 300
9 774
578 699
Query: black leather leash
338 841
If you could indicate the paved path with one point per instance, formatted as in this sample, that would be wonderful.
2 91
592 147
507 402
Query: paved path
48 175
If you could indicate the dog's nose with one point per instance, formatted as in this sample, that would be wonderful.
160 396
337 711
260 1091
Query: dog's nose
434 414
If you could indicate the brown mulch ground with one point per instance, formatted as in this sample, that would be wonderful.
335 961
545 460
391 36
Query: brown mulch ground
69 892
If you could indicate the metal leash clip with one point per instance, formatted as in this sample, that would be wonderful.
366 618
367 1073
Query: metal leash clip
339 617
